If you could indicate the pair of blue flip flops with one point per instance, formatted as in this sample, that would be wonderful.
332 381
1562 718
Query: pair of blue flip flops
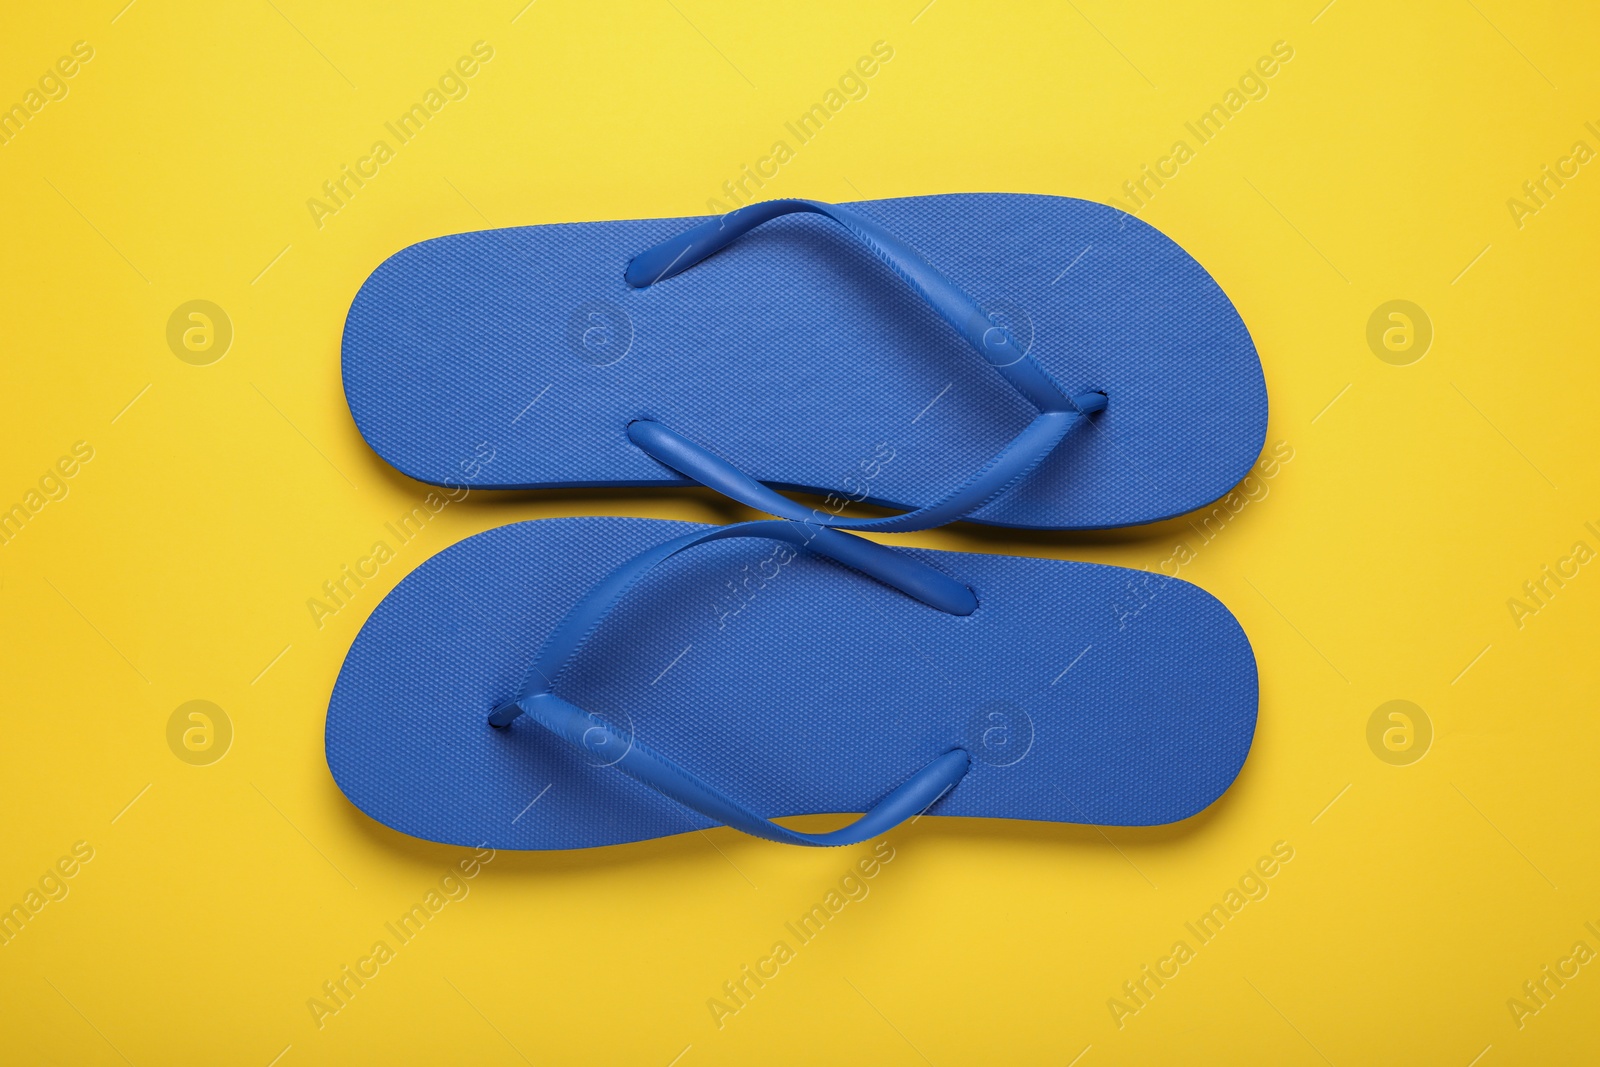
1024 361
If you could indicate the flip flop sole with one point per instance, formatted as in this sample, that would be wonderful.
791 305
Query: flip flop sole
1084 693
516 358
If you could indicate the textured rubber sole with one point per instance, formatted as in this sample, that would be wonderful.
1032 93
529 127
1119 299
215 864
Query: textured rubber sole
516 359
1085 693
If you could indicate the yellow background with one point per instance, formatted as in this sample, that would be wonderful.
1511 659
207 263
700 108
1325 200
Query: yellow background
1378 567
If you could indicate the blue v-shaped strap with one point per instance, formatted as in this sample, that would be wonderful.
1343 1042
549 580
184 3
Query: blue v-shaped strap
1058 412
601 740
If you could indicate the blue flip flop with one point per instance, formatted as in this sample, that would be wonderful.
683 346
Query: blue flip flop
566 683
830 351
